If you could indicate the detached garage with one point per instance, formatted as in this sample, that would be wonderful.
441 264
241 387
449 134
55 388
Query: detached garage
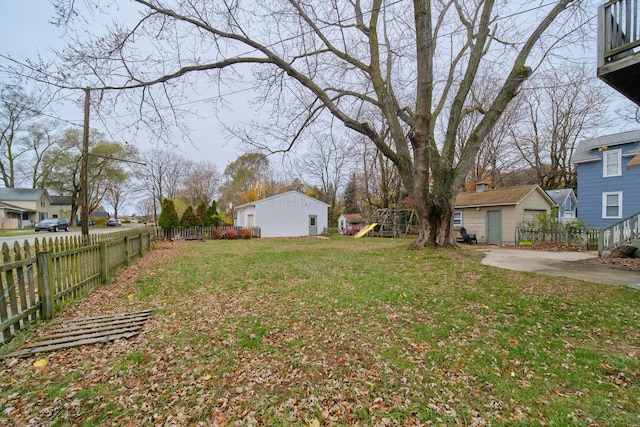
494 215
290 214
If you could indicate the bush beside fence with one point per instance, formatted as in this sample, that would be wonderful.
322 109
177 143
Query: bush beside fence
205 233
34 279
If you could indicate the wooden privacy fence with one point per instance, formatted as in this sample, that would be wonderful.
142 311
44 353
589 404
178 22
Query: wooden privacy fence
34 279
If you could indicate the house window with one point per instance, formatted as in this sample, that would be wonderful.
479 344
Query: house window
612 163
43 202
568 205
612 205
457 219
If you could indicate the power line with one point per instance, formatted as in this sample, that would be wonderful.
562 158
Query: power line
48 76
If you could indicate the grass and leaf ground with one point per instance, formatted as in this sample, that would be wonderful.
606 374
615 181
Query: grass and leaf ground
339 332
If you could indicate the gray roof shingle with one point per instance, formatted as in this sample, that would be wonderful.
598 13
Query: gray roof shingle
22 194
584 152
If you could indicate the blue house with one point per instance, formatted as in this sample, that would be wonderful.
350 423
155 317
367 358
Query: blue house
608 178
566 204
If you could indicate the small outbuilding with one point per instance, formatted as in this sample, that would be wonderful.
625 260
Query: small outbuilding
350 224
290 214
494 215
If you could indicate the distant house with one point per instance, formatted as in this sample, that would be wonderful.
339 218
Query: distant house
289 214
14 217
25 206
61 206
608 178
566 202
494 215
350 224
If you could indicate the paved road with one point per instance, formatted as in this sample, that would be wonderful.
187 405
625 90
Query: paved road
576 265
74 231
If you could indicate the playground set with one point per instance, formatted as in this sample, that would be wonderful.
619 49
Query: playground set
391 222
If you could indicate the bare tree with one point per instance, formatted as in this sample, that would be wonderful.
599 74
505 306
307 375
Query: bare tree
497 154
162 176
200 183
324 165
412 68
563 107
33 170
115 195
378 179
17 109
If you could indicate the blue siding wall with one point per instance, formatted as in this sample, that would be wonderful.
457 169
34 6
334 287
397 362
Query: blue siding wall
591 185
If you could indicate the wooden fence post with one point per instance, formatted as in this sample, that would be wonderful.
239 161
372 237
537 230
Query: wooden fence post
46 284
103 262
127 250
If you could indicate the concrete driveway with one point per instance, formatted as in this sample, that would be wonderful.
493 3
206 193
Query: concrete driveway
576 265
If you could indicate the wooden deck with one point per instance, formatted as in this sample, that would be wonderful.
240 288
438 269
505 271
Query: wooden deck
619 47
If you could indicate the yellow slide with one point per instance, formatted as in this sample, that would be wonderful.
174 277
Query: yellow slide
364 231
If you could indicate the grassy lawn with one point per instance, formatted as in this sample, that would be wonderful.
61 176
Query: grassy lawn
340 332
11 233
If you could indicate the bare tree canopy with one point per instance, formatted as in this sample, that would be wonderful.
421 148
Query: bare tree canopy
17 109
200 183
400 73
565 109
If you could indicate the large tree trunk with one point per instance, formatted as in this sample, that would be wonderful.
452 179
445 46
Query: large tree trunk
435 229
436 223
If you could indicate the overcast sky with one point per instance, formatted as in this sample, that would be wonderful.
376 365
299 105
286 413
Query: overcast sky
26 31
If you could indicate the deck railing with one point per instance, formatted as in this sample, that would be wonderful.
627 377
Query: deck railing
618 30
34 279
623 231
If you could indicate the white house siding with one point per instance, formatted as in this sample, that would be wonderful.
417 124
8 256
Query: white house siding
284 215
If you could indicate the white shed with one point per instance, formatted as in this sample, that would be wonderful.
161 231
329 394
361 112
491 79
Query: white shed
290 214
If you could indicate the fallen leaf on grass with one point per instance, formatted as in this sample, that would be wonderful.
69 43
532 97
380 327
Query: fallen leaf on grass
607 367
314 423
39 363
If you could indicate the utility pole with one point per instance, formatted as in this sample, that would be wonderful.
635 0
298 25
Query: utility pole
84 172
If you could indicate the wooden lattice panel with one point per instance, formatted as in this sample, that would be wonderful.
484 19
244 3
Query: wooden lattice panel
85 331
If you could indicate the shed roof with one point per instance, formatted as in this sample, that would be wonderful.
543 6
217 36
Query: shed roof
257 202
498 197
21 194
584 150
354 218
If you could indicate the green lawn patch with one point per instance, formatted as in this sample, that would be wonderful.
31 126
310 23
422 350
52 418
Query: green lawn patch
345 332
